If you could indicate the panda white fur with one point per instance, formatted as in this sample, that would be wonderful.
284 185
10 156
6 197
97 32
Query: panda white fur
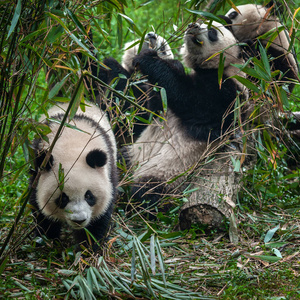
253 21
151 41
87 154
196 114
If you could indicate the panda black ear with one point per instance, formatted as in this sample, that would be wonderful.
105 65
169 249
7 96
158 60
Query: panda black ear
227 20
277 7
96 158
270 4
40 158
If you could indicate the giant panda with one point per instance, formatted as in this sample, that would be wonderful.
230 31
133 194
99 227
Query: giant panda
142 91
199 110
86 152
252 21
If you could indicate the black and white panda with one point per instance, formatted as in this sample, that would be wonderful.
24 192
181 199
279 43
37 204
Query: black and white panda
86 152
253 21
142 91
198 112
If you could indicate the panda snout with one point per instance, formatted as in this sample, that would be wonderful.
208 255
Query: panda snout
79 222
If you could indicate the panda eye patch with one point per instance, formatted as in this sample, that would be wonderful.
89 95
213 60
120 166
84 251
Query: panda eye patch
90 198
212 34
62 200
96 158
233 15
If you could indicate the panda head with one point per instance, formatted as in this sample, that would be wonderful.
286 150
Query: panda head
250 21
202 42
83 195
151 41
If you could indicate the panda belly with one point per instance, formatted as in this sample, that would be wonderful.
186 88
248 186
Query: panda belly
164 151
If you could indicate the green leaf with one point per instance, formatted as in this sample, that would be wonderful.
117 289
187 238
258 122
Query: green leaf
142 41
61 177
221 69
207 15
78 98
72 36
270 234
247 83
15 18
57 87
152 253
275 244
267 258
277 252
164 100
3 264
76 22
265 60
134 27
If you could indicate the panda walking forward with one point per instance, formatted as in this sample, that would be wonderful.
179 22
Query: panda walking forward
77 187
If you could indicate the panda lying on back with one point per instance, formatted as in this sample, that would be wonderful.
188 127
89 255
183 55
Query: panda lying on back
253 21
198 109
86 196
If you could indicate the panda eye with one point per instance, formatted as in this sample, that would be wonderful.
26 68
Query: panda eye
233 15
62 200
90 198
212 34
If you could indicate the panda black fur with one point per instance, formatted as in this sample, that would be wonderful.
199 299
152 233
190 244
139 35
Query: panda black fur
87 155
197 109
142 91
253 21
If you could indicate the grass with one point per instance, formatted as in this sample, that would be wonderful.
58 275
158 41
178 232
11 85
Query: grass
141 259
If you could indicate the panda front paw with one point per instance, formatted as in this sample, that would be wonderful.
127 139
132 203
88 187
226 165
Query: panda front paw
143 56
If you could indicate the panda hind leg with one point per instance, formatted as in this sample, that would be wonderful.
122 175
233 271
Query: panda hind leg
149 199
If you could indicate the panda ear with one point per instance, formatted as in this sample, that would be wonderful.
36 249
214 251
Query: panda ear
227 20
40 158
276 7
96 158
269 4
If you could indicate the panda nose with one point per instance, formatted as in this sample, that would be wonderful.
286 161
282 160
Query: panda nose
79 222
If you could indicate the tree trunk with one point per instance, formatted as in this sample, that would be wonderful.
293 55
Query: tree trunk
217 184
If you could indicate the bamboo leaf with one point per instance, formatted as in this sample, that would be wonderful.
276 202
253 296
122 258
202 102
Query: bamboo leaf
76 21
15 18
265 60
207 15
164 100
267 258
277 252
152 253
247 83
160 259
221 69
78 98
54 91
270 234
